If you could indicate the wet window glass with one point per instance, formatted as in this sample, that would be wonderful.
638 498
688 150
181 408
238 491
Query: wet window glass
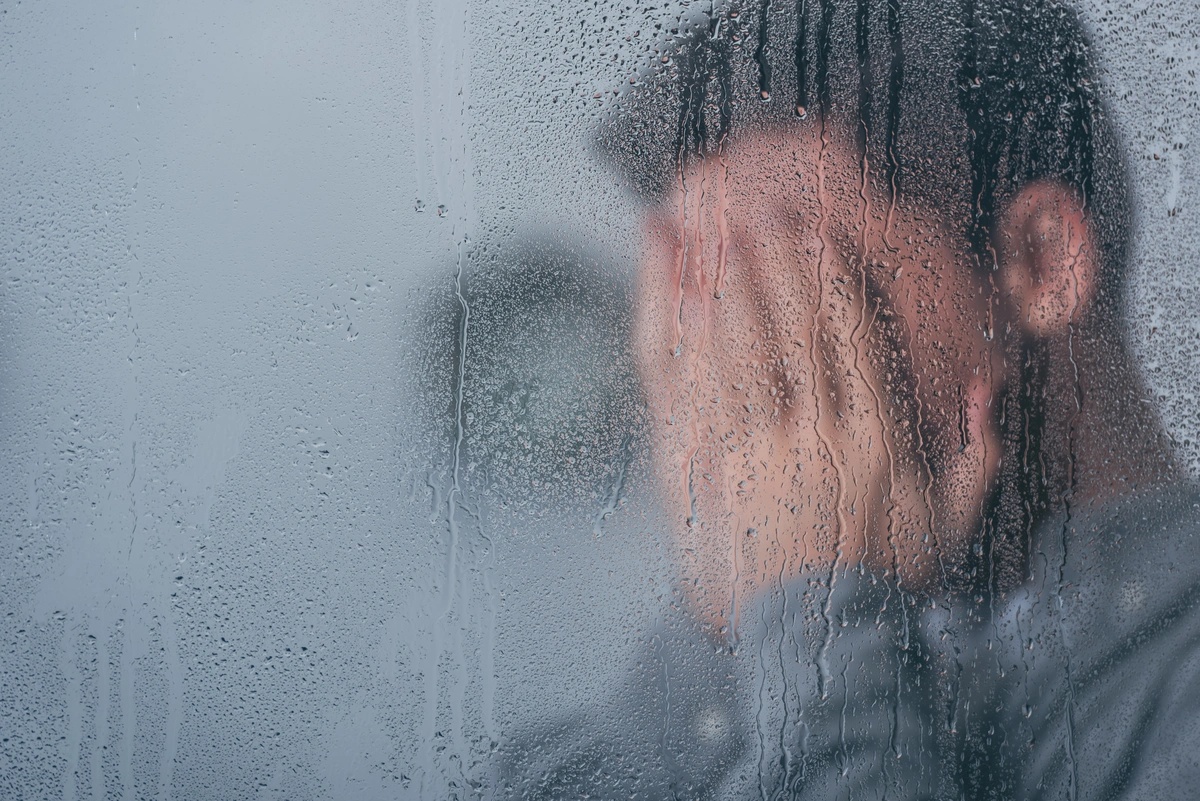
694 400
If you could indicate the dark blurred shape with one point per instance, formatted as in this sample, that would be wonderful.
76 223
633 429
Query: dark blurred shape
550 405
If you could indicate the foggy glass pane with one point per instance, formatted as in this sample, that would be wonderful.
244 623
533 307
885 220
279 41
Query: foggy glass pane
718 400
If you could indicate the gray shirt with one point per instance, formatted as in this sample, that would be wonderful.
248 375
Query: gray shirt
1083 682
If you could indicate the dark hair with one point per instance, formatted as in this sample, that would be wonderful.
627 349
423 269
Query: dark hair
956 106
1001 93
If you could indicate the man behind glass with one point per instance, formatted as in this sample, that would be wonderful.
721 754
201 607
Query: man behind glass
934 542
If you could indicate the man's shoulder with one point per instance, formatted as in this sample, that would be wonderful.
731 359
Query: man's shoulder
669 729
1132 565
1106 639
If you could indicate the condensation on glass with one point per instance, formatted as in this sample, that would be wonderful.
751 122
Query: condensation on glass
675 400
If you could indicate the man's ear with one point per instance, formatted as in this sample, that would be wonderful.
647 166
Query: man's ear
1046 250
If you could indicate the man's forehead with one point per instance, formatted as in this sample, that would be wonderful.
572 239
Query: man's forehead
805 146
787 169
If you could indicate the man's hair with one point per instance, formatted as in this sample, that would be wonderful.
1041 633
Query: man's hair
955 104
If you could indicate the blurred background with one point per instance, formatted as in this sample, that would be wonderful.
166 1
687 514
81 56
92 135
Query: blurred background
323 464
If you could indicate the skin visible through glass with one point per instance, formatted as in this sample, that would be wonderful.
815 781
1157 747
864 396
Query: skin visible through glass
822 364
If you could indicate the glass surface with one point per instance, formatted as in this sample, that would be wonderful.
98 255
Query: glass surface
611 400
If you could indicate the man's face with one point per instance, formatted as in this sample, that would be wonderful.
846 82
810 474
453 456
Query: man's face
820 368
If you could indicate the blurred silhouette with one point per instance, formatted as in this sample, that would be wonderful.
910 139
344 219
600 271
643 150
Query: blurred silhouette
933 541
